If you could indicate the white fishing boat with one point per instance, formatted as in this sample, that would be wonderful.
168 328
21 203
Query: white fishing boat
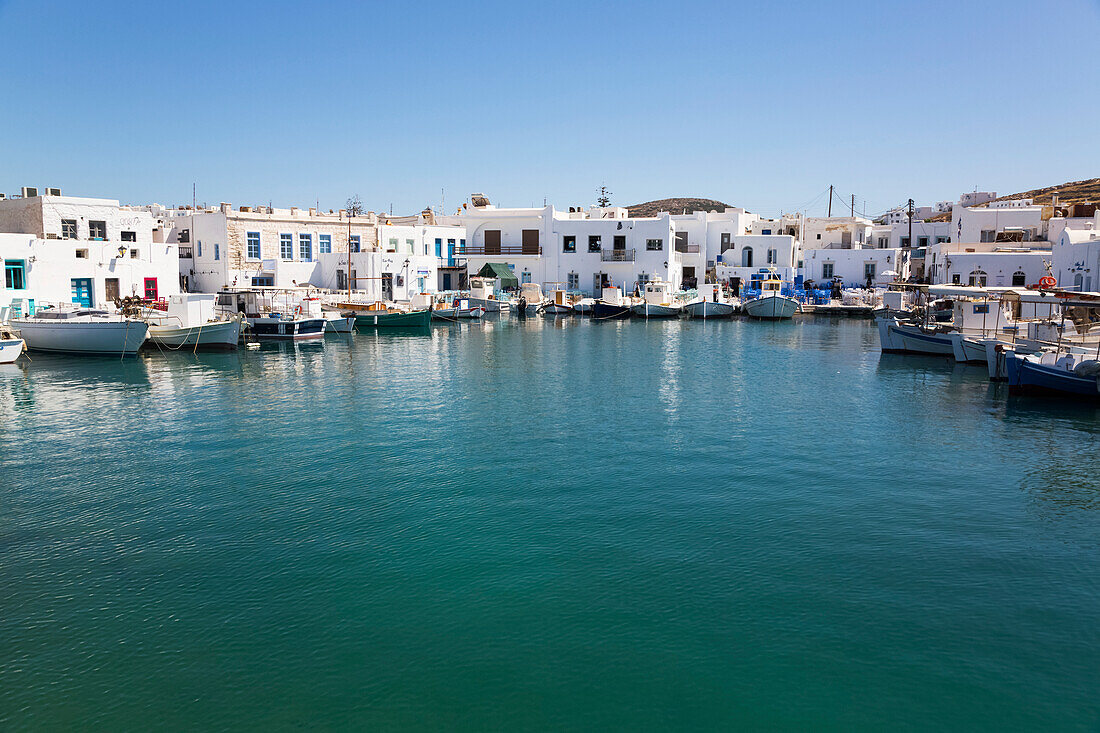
584 306
83 331
191 322
10 349
459 308
279 314
710 303
483 293
560 304
771 304
657 301
902 337
530 299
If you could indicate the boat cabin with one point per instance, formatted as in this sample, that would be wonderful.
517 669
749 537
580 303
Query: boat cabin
483 288
531 292
658 292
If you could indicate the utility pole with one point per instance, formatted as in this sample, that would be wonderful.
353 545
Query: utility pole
830 201
853 206
909 242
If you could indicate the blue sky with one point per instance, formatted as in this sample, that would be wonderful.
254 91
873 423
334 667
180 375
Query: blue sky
761 105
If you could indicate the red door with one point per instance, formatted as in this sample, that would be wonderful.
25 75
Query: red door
150 288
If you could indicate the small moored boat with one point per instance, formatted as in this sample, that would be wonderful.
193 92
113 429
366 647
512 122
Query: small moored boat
85 331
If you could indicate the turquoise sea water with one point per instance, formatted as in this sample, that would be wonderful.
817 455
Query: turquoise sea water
551 525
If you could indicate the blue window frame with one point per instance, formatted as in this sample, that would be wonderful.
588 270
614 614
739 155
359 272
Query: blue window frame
199 252
259 282
15 274
253 245
217 251
354 242
324 244
286 246
82 291
438 247
305 247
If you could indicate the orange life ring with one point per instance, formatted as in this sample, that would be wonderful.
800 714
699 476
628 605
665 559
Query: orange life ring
1047 282
298 310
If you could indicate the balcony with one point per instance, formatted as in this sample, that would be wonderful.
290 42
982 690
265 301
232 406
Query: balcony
492 251
687 248
616 255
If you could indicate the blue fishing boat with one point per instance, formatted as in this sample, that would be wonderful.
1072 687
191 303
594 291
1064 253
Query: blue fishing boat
1053 372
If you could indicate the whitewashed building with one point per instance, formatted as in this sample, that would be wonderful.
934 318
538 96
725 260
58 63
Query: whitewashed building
388 258
89 251
1076 256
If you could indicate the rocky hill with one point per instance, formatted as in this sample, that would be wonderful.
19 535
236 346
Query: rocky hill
676 206
1073 192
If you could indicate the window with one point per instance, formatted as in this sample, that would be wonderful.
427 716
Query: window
68 228
819 236
355 242
594 243
569 244
1019 279
451 245
922 241
573 281
656 245
942 240
978 278
826 270
253 245
725 241
955 279
410 246
525 276
111 289
905 241
136 254
82 254
305 247
97 230
769 231
746 257
260 282
150 288
393 245
129 236
286 246
438 247
883 242
869 270
988 235
324 244
773 256
461 242
15 275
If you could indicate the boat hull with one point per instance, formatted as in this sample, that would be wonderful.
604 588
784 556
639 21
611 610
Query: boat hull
109 338
285 329
491 305
10 349
451 314
655 310
412 319
770 307
909 339
220 336
967 350
607 311
341 324
556 309
1027 376
709 309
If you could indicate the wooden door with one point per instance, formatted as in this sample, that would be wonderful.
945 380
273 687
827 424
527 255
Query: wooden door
530 241
492 241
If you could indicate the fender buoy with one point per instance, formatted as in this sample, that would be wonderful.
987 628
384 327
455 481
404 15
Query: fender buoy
298 310
1048 282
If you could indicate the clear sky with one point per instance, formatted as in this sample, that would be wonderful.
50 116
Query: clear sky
761 104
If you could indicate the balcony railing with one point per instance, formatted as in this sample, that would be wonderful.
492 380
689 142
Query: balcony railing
688 248
616 255
501 250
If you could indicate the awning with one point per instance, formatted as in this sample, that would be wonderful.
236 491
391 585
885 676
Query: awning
508 279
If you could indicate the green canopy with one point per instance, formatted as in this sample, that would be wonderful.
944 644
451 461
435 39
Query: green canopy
508 278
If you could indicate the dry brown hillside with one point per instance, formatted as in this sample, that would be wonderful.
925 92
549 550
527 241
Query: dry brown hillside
1074 192
676 206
